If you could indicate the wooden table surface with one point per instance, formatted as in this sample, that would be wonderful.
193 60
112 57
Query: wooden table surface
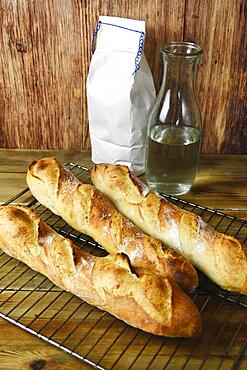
220 184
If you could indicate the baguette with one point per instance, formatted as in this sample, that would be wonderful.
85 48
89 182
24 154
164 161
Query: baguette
89 211
222 258
149 302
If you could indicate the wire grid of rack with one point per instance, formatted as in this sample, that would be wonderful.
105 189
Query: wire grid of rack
32 302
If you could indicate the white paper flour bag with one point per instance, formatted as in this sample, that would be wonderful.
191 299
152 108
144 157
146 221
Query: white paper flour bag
120 93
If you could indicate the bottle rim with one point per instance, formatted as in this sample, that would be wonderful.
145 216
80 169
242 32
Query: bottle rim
182 49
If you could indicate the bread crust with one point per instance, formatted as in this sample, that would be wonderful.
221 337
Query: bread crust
149 302
88 210
222 258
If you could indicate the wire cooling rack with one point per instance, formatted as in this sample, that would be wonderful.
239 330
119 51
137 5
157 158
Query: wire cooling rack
32 302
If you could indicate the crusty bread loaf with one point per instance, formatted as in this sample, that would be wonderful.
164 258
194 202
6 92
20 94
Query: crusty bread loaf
149 302
222 258
88 210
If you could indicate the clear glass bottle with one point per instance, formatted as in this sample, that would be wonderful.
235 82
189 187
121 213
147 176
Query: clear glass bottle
174 129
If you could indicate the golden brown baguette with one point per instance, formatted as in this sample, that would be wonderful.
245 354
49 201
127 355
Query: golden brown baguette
149 302
222 258
88 210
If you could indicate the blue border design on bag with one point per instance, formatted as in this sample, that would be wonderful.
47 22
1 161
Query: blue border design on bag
140 46
94 36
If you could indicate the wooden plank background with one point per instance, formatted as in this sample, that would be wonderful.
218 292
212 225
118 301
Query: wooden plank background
45 51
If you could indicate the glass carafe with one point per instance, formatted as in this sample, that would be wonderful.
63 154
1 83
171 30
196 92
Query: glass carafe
174 129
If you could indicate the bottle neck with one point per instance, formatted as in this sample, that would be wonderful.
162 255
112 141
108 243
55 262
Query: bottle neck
179 73
178 103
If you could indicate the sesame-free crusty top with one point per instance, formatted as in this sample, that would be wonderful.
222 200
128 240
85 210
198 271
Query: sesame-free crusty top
91 212
149 302
221 257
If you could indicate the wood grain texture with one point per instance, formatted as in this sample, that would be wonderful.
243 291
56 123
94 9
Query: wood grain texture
220 28
46 51
27 352
42 95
